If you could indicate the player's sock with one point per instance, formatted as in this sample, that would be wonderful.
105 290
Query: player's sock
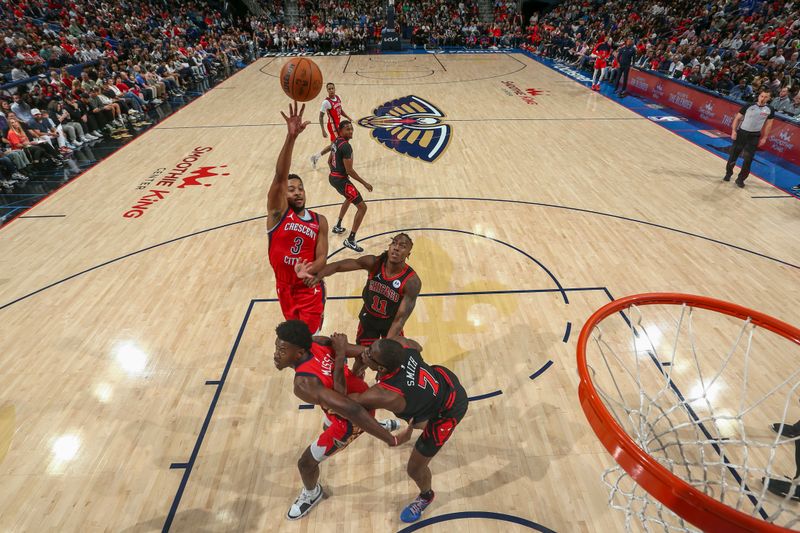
352 237
428 495
312 493
339 223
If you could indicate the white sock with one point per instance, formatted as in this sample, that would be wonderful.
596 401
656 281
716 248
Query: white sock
312 493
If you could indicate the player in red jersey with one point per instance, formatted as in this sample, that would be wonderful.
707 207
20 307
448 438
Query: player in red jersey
332 108
318 377
429 397
601 53
389 295
295 234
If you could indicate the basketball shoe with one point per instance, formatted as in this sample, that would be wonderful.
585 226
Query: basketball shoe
305 502
413 510
352 245
337 229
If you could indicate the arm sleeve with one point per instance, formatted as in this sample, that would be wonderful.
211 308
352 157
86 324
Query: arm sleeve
326 105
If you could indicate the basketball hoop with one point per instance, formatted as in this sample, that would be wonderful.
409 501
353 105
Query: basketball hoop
681 391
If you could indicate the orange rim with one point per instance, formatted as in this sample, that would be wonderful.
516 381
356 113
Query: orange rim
684 500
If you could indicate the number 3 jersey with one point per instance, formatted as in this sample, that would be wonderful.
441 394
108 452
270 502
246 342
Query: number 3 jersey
428 389
293 239
382 294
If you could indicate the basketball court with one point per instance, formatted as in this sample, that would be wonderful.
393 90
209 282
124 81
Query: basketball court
138 305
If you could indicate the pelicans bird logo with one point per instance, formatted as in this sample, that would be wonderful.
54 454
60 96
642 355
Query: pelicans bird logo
410 126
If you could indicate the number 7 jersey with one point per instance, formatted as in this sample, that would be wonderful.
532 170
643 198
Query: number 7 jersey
293 239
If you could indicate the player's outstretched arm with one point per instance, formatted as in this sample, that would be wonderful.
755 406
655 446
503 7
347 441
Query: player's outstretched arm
365 262
276 197
348 166
413 286
310 390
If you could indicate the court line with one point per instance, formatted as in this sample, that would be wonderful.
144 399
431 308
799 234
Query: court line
344 70
711 440
542 370
486 515
421 198
479 120
42 216
436 57
190 464
779 196
473 234
344 83
486 396
566 332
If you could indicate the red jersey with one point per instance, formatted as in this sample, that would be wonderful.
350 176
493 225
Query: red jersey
291 240
320 365
333 107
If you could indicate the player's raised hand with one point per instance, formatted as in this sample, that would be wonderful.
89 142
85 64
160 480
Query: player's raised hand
303 269
339 342
294 121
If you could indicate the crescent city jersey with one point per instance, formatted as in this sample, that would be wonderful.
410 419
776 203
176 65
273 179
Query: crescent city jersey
340 150
320 365
428 390
382 294
292 239
333 108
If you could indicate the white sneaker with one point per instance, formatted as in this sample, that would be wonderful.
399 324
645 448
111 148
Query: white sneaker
390 424
314 158
77 143
304 503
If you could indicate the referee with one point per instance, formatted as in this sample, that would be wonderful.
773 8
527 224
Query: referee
749 132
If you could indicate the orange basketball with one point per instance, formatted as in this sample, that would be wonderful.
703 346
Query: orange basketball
301 79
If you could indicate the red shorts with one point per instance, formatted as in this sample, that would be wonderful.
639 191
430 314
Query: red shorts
299 302
338 432
332 131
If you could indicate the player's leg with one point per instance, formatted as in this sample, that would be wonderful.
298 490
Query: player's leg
338 228
312 493
310 305
361 210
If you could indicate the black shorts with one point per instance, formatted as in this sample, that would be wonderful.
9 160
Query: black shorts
371 328
346 188
441 427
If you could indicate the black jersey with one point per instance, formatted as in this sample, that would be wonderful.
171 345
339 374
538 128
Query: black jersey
427 389
340 150
382 294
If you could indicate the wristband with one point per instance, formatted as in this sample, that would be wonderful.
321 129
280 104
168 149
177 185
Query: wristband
395 442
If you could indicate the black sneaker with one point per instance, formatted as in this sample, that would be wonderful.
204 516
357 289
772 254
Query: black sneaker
304 503
782 487
353 246
785 430
726 178
337 229
740 184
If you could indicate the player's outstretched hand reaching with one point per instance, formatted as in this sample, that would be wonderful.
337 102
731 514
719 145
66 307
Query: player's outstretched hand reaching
303 270
295 120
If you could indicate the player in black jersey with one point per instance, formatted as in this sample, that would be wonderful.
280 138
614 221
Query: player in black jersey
430 397
389 294
341 163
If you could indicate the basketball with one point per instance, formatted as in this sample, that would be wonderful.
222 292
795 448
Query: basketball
301 79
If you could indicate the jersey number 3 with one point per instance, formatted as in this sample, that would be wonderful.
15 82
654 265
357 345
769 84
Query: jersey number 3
298 244
426 379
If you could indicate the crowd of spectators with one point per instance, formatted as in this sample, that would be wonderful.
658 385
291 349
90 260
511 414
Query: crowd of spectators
81 71
733 47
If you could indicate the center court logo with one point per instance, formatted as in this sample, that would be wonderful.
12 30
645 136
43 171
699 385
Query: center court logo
410 126
181 174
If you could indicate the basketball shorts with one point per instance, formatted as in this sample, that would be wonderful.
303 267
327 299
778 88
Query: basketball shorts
299 302
338 431
371 329
346 188
332 132
441 427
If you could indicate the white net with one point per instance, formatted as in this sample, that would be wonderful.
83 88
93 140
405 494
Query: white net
700 391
